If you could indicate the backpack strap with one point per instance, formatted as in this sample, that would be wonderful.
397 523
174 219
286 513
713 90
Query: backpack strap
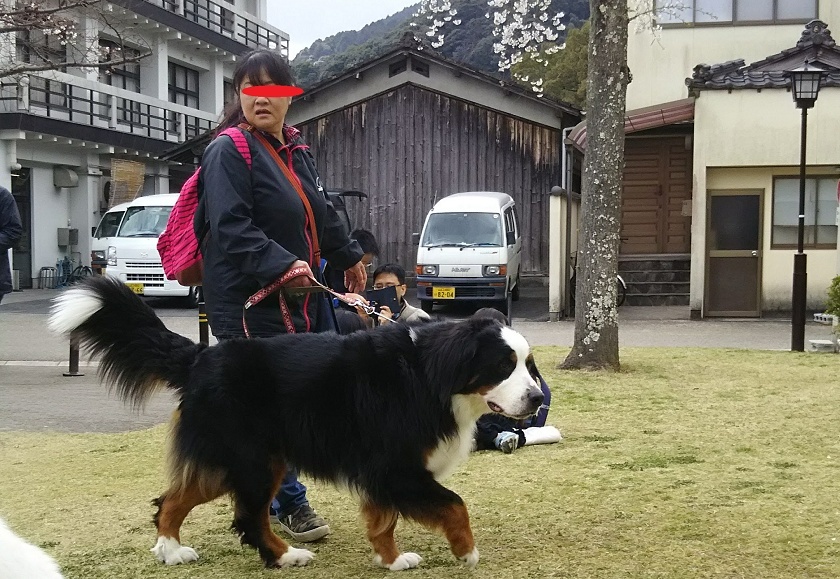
240 141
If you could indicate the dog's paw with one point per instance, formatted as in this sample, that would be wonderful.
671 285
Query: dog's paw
171 552
401 563
295 558
471 558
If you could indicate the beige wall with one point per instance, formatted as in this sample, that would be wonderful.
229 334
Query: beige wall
777 264
660 63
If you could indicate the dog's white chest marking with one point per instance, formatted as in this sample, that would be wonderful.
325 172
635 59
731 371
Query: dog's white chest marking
451 453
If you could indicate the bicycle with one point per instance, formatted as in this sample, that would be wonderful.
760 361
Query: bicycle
621 286
75 275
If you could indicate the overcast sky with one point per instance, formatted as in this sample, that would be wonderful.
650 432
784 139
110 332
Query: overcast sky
306 22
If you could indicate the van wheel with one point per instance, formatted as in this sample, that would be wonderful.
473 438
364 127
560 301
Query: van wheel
427 306
515 291
191 299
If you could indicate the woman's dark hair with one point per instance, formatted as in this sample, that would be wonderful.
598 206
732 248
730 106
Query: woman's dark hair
366 241
393 269
251 67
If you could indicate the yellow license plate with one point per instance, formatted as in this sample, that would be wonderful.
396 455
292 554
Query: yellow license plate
443 293
136 287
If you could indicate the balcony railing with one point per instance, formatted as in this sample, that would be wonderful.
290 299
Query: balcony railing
61 96
229 21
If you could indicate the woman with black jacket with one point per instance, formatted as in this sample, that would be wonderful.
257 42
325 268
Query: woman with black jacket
259 230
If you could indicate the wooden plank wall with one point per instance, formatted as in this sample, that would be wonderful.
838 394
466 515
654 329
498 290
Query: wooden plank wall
410 147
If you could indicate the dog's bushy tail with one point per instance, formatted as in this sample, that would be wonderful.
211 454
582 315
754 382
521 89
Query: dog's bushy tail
139 354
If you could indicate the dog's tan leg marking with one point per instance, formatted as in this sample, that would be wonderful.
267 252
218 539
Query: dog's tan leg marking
454 521
253 520
175 505
380 532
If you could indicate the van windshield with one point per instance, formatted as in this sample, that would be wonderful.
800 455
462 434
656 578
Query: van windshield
144 221
463 230
109 224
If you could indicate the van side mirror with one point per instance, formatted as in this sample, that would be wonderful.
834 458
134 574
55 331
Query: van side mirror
415 239
511 237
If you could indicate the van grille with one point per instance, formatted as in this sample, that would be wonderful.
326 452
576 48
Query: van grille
147 278
144 264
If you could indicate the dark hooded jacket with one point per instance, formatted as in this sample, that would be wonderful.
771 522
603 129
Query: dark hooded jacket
10 233
258 228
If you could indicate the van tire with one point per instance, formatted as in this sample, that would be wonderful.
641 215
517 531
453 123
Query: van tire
191 299
427 306
514 292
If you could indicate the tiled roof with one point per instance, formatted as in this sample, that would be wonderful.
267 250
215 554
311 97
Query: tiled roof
816 46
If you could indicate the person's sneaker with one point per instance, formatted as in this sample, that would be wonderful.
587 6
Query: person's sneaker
303 524
508 442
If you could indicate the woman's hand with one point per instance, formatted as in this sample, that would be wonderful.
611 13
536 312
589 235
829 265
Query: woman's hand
355 278
303 279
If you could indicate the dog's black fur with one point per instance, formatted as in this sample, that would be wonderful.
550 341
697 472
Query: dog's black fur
364 410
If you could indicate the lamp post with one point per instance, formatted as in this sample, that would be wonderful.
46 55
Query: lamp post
805 86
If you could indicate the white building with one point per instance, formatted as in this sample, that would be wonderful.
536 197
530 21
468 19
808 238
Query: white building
70 141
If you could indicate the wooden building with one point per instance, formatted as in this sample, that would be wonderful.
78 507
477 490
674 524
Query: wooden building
411 127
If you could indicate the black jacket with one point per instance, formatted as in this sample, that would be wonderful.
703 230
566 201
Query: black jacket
10 233
258 229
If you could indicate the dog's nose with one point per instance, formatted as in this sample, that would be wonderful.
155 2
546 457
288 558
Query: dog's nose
535 398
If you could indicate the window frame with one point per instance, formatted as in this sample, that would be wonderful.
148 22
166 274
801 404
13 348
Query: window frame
733 21
813 225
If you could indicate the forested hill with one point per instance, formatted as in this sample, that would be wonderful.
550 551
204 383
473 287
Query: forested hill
470 43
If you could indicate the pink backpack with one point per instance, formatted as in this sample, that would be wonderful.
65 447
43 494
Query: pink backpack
179 249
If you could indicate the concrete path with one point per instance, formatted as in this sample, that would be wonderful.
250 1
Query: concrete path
35 396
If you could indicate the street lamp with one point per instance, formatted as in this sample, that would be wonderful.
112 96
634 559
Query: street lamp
805 85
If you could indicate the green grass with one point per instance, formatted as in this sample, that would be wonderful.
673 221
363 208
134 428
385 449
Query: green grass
689 463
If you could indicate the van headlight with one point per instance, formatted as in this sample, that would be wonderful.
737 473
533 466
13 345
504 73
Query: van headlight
427 269
112 255
494 270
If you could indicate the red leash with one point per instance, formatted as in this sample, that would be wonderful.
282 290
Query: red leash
284 307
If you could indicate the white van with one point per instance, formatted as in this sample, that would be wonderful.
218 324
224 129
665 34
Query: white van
470 250
125 245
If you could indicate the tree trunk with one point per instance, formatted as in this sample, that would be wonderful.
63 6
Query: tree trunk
596 320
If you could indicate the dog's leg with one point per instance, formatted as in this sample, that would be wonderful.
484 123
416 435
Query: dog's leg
254 488
381 523
438 508
173 508
454 521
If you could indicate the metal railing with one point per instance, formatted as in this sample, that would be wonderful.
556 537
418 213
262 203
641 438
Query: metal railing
229 21
64 97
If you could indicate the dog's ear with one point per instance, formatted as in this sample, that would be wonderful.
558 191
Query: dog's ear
468 355
531 366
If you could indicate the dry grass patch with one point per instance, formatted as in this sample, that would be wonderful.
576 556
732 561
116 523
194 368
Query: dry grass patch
689 463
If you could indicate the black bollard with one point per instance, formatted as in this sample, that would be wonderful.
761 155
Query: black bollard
203 328
74 357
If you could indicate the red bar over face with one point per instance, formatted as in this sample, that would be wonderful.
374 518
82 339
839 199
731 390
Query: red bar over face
272 90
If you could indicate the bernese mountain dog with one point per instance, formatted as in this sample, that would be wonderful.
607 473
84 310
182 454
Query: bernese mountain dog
387 413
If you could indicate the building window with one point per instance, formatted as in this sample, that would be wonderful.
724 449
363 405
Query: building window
183 90
228 93
736 11
125 76
398 67
820 212
33 47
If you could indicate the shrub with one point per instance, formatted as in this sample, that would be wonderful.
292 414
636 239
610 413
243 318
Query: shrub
832 306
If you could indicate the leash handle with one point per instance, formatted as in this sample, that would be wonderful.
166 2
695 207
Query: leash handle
284 307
